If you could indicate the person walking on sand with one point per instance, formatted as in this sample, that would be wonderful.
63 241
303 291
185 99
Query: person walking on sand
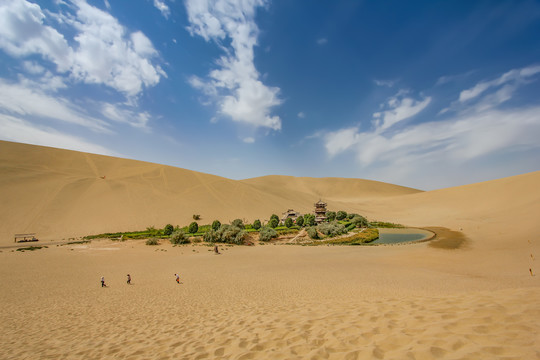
128 279
177 278
103 281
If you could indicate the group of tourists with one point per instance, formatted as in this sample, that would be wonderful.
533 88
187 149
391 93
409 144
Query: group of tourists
177 277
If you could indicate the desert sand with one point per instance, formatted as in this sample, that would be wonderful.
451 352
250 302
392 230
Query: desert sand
467 294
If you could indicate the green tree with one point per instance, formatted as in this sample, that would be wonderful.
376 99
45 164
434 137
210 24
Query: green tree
257 224
267 234
216 225
273 223
274 216
312 232
193 228
238 223
331 215
300 221
168 230
341 215
309 219
360 221
288 222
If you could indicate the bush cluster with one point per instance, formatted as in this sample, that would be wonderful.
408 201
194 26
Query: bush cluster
152 241
300 221
267 234
226 233
179 237
312 232
216 225
359 221
341 215
288 222
332 229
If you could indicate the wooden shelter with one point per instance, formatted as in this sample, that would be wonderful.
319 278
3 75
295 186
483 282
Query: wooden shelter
25 237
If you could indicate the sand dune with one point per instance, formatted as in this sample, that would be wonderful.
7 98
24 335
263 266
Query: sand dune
61 194
477 300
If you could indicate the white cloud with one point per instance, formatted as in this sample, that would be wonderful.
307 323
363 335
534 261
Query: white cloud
322 41
301 115
512 76
29 101
455 140
398 108
123 114
249 140
388 83
105 52
161 6
480 133
18 130
23 33
235 84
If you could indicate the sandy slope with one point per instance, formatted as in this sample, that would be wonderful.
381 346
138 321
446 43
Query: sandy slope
61 194
418 301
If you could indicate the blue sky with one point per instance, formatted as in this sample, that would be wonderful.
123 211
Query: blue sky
427 94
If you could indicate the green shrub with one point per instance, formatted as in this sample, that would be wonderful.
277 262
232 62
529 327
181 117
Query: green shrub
351 215
211 236
216 225
231 234
359 221
152 241
179 237
196 217
274 216
341 215
168 230
267 234
309 220
273 223
330 215
238 223
288 222
351 227
193 228
332 229
257 224
300 221
312 232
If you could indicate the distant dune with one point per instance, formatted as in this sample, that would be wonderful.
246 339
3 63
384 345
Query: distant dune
60 194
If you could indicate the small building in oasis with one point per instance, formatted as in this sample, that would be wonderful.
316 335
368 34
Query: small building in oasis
320 211
290 213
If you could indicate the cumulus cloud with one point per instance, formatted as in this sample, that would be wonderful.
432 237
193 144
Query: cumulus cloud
162 7
103 51
235 84
301 115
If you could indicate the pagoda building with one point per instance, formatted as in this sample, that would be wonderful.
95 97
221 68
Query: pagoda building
320 211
